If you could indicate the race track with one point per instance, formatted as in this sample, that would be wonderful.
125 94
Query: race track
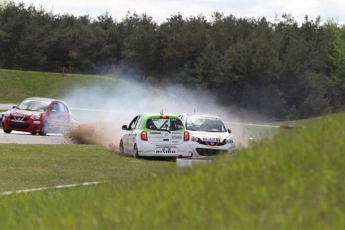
26 138
105 133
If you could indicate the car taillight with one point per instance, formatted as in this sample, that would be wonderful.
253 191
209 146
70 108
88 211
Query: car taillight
186 136
144 136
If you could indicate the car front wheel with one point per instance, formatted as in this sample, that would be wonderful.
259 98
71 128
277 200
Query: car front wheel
44 129
135 151
7 131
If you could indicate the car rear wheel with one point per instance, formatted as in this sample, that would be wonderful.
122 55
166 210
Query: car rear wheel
33 133
44 129
7 131
122 150
135 151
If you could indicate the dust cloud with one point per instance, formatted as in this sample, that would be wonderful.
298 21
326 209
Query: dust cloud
101 111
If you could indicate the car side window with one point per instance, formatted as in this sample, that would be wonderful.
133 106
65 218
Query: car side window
133 123
138 125
62 108
55 108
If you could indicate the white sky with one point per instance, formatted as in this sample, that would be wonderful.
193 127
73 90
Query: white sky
162 9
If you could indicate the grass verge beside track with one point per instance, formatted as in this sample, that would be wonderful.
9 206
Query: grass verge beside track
294 181
17 85
34 166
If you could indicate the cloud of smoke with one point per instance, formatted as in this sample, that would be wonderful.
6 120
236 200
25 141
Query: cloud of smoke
101 111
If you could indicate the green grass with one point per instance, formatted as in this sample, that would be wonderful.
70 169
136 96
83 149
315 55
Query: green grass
32 166
16 85
294 181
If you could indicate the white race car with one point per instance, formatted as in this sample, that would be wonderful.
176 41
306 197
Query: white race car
155 135
209 136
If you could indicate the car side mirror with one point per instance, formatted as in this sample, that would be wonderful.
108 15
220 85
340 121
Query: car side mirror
124 127
229 130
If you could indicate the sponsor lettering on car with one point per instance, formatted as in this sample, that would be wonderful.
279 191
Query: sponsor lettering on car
165 151
155 132
211 139
166 146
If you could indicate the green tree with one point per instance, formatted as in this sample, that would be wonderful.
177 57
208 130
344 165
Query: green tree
185 41
337 43
139 47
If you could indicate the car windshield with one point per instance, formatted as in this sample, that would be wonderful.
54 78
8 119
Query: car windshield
208 124
34 105
168 124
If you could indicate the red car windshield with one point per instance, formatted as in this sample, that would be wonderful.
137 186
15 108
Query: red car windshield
34 105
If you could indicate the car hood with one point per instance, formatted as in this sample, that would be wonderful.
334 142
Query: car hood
19 112
203 134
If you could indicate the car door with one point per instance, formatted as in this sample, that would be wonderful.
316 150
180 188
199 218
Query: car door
135 132
64 117
54 117
128 141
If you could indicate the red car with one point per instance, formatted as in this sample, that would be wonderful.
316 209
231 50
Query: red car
38 115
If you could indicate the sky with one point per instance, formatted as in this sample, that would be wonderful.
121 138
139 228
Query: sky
160 10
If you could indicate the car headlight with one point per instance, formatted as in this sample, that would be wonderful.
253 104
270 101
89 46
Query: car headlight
230 140
194 139
35 116
7 113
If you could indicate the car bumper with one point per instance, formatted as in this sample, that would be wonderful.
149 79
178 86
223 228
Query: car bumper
169 150
200 150
24 126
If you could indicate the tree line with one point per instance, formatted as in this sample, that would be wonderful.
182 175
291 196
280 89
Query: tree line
281 69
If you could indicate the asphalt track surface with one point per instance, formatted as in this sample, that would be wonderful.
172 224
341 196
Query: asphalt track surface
26 138
6 106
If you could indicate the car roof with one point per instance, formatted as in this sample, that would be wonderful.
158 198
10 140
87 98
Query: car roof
45 99
201 115
41 99
147 115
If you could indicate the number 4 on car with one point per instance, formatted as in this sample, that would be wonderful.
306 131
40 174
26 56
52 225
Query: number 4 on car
155 135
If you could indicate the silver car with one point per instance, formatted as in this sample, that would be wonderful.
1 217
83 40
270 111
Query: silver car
208 135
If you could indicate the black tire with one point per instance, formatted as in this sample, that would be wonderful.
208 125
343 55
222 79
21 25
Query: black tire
7 131
135 151
44 129
33 133
122 149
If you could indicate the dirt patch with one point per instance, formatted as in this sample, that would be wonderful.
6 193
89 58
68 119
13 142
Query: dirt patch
103 133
